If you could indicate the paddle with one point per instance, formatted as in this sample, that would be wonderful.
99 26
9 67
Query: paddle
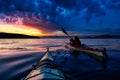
66 33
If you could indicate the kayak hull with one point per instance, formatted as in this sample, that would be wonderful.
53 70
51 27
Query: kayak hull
82 50
99 55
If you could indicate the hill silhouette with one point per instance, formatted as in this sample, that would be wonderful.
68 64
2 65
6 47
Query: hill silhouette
11 35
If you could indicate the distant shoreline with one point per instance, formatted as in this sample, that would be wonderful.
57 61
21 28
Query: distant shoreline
58 38
21 36
12 36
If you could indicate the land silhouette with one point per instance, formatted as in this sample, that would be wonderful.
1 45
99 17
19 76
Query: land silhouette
11 35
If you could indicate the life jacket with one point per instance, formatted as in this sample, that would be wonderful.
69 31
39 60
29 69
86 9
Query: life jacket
75 42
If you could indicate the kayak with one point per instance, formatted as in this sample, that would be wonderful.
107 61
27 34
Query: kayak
98 55
47 69
95 52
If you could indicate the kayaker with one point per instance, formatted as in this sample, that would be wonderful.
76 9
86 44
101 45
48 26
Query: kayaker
75 42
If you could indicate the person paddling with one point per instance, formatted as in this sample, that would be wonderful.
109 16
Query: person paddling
75 42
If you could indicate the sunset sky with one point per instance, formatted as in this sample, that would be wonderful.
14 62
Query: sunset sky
47 17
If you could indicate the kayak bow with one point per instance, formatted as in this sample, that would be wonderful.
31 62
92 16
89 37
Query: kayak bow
46 69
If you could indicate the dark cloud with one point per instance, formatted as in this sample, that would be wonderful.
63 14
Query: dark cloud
65 3
50 14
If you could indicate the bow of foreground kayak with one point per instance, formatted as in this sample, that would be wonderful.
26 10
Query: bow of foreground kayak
47 69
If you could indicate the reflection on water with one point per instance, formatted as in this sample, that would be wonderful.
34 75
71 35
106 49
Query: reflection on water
40 44
17 56
34 45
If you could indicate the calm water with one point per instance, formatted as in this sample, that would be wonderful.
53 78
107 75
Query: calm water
17 56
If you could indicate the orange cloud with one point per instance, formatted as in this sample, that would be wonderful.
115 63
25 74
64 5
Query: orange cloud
21 29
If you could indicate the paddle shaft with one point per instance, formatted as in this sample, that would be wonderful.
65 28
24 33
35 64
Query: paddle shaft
69 36
66 33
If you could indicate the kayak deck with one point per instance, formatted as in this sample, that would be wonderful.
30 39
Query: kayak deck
48 74
46 69
95 52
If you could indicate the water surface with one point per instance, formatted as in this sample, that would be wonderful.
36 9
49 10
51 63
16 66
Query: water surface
17 56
